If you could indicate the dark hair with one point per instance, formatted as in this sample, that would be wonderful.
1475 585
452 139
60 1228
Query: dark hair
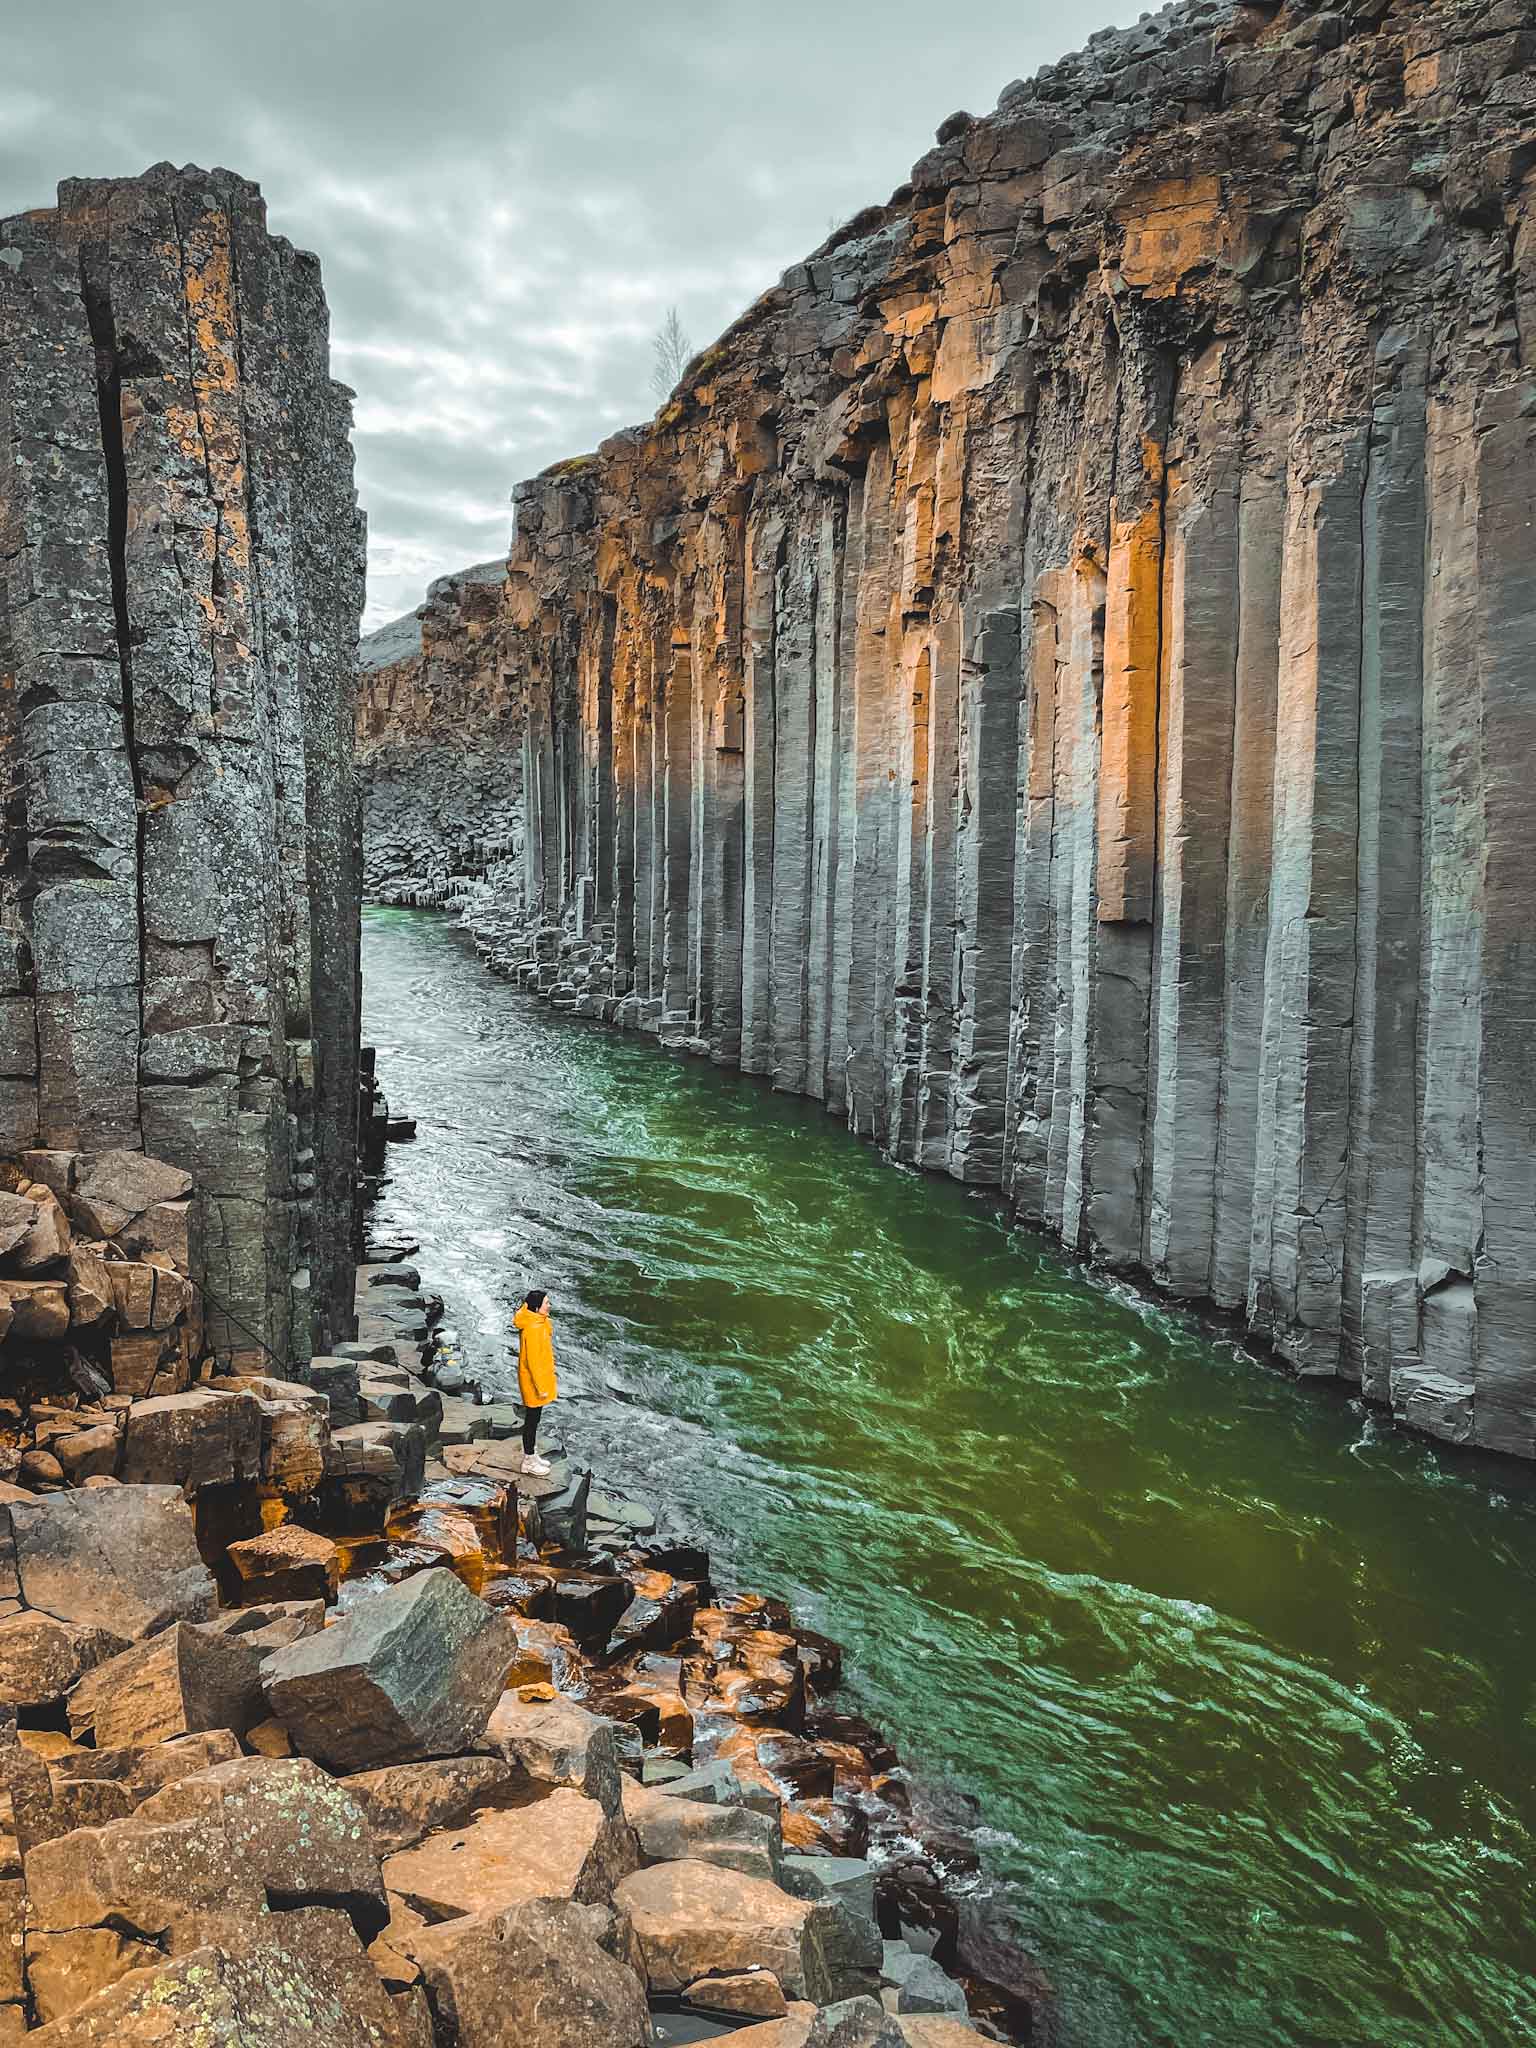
535 1298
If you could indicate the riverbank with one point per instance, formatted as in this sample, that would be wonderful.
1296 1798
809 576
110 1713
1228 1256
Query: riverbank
1195 1635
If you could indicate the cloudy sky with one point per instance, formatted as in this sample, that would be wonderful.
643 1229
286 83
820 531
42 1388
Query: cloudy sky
506 198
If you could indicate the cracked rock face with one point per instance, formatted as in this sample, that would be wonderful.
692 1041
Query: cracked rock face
1055 683
180 552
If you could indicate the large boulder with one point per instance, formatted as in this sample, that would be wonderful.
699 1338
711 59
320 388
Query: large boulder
181 1682
201 1438
17 1216
115 1188
675 1830
295 1430
41 1658
412 1671
543 1974
559 1847
120 1558
285 1980
697 1920
558 1742
299 1833
144 1878
407 1802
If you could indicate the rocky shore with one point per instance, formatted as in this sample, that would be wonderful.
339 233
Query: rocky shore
318 1717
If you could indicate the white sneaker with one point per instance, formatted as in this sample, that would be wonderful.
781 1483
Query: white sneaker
535 1467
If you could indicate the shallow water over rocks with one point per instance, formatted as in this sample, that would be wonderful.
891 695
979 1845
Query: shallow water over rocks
1245 1680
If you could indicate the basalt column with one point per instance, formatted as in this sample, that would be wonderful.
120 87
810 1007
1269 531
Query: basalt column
1084 614
181 554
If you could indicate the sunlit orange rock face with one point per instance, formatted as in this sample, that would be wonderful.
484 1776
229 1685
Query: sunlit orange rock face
1056 683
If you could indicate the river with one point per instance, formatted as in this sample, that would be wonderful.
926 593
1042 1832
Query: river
1244 1679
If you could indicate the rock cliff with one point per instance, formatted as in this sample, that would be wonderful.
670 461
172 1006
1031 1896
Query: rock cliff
1055 682
438 738
181 555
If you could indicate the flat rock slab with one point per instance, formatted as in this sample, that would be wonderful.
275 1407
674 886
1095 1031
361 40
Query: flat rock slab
697 1920
559 1846
121 1558
411 1671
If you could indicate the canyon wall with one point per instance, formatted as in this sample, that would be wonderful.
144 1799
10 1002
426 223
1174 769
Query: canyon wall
181 555
438 739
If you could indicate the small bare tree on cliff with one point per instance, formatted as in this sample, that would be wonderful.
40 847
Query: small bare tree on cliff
671 352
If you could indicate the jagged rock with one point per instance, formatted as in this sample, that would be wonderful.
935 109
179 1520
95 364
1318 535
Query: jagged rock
181 1682
557 1742
144 1769
17 1216
296 1830
286 1563
295 1429
38 1309
407 1802
697 1920
123 1559
412 1670
40 1658
337 1379
560 1845
545 1974
673 1830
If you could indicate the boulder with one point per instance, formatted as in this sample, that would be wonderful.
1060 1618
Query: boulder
674 1830
286 1980
413 1670
793 2031
120 1558
697 1920
750 1994
920 1986
49 1238
17 1216
410 1801
300 1834
286 1563
181 1682
143 1769
88 1453
543 1974
39 1470
390 1455
202 1438
115 1188
38 1309
144 1878
558 1742
589 1605
855 2023
295 1430
920 2030
174 1228
41 1658
337 1379
65 1970
559 1846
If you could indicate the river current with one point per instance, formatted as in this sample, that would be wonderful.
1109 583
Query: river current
1244 1680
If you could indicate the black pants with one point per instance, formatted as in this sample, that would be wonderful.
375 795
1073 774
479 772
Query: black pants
530 1429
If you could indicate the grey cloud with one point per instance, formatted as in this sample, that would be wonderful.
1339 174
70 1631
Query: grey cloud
506 198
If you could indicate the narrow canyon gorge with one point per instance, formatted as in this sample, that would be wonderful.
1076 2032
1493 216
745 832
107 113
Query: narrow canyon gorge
1054 684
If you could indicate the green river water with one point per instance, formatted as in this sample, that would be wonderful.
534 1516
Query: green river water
1244 1680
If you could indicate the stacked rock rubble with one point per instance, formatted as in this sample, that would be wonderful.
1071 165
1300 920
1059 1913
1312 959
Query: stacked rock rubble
1054 683
180 581
310 1730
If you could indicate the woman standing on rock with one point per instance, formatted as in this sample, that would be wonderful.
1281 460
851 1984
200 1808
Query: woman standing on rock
535 1372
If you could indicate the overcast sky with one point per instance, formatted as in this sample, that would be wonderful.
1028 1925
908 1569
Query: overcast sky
506 198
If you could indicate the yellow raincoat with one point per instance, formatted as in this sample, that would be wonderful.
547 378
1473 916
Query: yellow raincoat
535 1357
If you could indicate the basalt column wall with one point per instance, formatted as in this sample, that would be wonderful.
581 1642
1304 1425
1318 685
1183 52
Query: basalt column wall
1058 683
181 558
439 747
